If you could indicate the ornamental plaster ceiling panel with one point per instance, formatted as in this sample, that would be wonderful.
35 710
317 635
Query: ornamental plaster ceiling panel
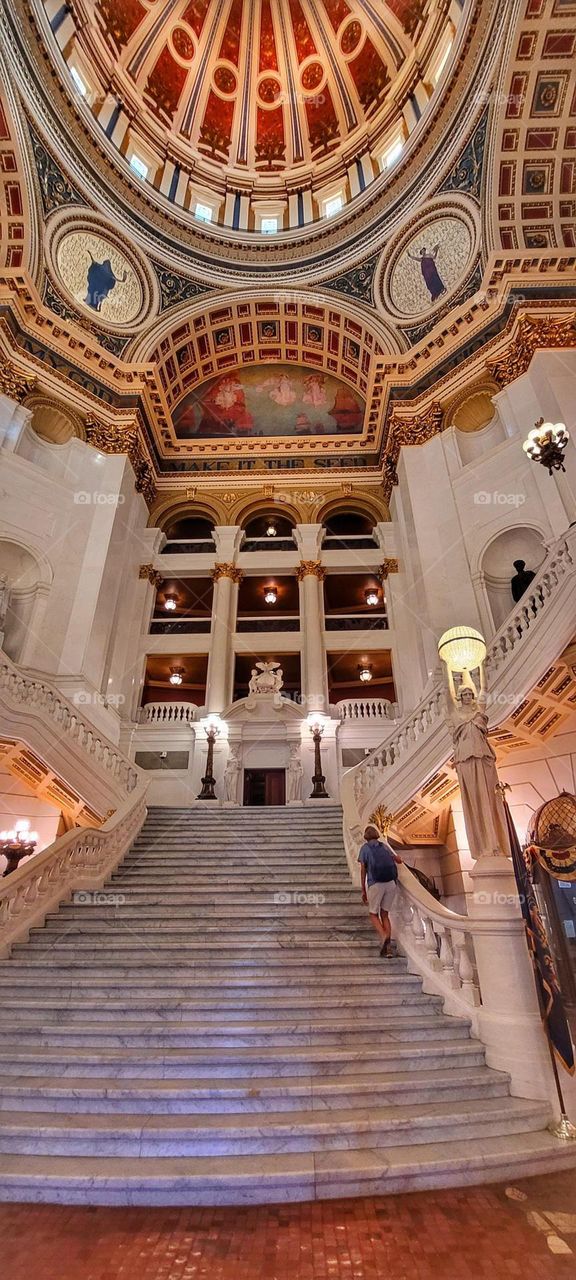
98 271
532 202
17 223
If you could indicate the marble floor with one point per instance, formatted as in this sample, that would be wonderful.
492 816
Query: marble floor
495 1232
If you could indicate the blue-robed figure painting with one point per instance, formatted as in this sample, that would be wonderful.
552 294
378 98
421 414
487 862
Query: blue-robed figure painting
100 281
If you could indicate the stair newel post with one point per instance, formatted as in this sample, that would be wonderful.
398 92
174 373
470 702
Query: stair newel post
213 726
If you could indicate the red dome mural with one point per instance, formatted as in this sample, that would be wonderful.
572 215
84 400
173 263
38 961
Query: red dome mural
263 86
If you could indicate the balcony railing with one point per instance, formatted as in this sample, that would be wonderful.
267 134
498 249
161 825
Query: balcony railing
180 626
367 709
290 622
373 621
168 713
188 547
349 542
268 544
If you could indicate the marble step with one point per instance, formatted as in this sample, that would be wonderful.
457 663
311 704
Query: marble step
380 1029
258 964
223 875
272 984
301 1060
38 1133
83 925
249 915
206 1096
134 1008
278 1179
165 941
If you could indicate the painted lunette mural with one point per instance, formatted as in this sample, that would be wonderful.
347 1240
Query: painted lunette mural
272 400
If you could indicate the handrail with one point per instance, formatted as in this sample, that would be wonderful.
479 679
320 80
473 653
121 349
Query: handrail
83 858
168 712
27 690
421 741
366 709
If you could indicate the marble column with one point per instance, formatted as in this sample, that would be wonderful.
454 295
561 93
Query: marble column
227 578
311 574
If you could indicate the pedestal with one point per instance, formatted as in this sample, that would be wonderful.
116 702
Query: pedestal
509 1019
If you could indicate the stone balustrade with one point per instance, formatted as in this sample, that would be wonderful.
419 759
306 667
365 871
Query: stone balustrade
366 709
162 713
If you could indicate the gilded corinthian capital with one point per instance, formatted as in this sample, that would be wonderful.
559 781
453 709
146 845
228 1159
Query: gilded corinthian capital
388 566
311 568
114 438
13 384
227 571
148 572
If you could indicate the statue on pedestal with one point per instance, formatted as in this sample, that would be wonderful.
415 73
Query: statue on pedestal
266 677
294 772
232 777
475 761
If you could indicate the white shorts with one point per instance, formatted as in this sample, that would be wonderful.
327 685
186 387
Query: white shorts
381 897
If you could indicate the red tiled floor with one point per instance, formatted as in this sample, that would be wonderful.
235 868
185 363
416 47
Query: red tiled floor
442 1235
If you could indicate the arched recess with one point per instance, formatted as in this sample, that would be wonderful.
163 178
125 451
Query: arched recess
25 581
515 543
53 421
173 508
249 508
363 504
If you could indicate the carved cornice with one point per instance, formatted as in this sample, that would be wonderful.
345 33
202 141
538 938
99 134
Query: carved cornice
403 430
310 568
533 333
148 572
388 566
112 438
13 384
227 571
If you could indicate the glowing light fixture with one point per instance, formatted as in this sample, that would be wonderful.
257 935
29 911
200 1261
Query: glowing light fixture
270 595
371 596
546 444
16 844
462 648
176 675
171 604
365 673
271 531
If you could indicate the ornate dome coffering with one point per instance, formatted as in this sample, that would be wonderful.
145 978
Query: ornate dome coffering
279 111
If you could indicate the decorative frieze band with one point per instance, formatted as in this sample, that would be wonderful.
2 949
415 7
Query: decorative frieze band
227 571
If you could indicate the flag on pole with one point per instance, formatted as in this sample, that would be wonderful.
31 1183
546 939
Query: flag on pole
549 994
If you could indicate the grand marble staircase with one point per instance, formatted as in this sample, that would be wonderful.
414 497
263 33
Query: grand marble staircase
217 1026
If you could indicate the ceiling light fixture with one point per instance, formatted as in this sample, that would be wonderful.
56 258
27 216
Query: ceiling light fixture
270 595
546 444
171 603
372 597
271 531
365 673
176 674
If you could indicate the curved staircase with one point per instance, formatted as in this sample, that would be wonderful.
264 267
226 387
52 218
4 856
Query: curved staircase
216 1026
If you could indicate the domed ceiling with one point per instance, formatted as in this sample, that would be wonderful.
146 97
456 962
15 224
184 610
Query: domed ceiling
277 95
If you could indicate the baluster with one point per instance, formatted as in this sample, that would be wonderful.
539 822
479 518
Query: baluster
465 970
431 944
447 959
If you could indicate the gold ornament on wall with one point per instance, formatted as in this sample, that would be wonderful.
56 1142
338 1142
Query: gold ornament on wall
227 571
14 385
112 438
311 568
148 572
533 333
390 565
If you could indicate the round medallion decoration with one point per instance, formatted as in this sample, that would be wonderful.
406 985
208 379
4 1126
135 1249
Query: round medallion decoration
101 274
183 44
269 90
429 261
351 37
225 80
312 76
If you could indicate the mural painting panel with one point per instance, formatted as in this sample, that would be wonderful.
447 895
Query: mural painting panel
272 400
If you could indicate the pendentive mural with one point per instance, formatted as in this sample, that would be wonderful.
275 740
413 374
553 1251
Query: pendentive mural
429 261
272 400
98 275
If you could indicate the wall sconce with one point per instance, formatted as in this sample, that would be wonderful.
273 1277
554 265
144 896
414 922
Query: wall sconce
271 530
176 675
16 844
270 595
371 596
171 603
365 673
546 444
